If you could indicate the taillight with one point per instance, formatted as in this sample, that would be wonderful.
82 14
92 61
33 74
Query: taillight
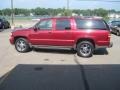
109 35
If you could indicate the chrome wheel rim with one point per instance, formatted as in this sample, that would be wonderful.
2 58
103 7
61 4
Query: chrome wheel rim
85 49
21 45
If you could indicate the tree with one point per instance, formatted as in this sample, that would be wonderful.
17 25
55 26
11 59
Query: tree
0 12
6 11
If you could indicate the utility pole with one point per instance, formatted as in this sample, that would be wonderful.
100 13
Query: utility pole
12 12
68 4
68 7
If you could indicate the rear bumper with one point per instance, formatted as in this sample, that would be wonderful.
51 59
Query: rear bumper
107 46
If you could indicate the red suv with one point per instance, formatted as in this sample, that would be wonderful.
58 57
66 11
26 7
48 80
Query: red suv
82 34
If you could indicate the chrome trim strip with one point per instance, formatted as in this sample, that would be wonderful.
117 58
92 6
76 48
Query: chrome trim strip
49 46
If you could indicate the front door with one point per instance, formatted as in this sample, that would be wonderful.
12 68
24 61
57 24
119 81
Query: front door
42 35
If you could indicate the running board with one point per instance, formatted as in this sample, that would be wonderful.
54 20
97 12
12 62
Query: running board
52 47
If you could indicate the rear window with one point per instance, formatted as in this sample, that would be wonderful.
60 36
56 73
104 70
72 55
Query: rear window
90 24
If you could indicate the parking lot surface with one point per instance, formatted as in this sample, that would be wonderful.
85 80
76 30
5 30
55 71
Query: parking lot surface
52 69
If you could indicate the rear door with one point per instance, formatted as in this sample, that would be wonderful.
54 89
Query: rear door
62 35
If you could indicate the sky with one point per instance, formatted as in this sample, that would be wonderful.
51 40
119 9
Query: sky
74 4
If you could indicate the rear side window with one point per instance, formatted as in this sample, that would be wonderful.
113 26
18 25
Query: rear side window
91 24
63 24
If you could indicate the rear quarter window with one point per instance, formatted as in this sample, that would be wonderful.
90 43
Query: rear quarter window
91 24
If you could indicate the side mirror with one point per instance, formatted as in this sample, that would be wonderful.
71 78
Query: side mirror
35 28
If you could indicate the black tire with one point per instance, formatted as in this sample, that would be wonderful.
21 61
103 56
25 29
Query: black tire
9 26
85 49
118 33
22 45
2 29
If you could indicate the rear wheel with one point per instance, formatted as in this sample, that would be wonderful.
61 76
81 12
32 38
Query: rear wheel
22 45
118 33
85 49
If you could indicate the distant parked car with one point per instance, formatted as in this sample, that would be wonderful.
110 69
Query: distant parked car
4 24
115 27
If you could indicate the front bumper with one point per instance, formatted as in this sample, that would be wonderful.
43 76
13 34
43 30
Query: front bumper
11 40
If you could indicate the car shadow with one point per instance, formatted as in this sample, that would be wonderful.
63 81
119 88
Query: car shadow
115 34
101 51
62 77
56 51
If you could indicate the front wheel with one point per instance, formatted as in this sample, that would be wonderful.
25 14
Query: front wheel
22 45
85 49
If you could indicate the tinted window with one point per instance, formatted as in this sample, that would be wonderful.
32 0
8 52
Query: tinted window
45 25
1 20
90 24
116 23
63 24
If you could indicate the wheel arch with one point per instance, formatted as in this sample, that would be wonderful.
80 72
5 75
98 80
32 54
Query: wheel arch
15 38
85 39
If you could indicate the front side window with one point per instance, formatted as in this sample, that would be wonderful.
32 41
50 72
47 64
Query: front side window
90 24
63 24
45 25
